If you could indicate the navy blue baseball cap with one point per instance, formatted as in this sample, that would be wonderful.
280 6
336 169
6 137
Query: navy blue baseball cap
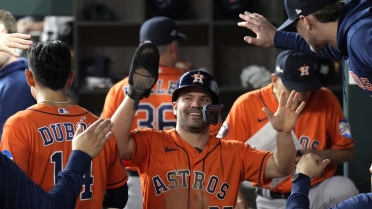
297 70
160 31
198 79
296 8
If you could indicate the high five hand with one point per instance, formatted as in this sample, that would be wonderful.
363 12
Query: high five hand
287 113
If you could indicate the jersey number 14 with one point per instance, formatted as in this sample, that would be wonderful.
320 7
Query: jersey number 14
88 180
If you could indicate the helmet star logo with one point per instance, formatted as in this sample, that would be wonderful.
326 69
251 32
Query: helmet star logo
198 78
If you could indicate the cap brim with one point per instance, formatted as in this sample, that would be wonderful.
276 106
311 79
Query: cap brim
302 86
287 23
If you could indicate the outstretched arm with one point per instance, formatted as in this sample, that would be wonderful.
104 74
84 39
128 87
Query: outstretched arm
282 162
142 77
310 166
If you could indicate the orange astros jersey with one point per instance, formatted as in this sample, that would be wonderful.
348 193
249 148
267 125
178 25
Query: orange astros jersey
176 175
39 140
320 126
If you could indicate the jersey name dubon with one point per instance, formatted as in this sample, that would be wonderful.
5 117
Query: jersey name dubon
178 179
59 134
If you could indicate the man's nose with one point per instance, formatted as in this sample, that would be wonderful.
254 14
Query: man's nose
196 103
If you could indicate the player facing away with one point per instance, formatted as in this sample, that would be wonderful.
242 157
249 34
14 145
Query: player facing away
187 167
39 138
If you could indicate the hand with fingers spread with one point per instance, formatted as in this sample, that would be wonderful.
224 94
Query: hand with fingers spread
287 113
93 138
263 29
311 165
9 42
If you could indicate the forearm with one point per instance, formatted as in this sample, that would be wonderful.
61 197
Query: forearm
68 187
292 40
299 195
285 153
122 122
19 191
336 156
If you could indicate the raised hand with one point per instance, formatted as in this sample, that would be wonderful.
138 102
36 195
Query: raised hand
93 138
143 72
311 165
263 29
9 42
287 113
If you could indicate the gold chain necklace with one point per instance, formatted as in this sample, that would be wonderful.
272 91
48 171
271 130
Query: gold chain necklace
55 102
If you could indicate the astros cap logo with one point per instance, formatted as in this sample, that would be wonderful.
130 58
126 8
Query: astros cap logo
198 78
304 70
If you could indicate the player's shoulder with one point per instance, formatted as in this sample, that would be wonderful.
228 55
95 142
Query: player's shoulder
325 95
248 96
120 84
232 143
21 116
252 99
152 132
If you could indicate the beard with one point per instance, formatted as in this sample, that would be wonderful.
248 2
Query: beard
193 125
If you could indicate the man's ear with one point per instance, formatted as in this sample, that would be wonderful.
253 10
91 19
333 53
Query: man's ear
174 106
306 21
70 78
30 78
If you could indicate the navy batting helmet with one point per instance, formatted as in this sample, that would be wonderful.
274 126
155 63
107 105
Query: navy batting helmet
199 79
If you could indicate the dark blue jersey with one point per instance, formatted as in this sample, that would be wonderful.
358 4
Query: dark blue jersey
299 198
354 40
19 191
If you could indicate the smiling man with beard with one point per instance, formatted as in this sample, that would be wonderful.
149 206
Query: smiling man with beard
187 167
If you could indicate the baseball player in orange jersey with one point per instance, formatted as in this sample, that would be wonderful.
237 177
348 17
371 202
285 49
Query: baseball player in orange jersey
321 128
187 167
156 111
39 138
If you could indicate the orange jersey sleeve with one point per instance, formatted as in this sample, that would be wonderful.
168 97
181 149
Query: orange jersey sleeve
39 140
18 148
171 169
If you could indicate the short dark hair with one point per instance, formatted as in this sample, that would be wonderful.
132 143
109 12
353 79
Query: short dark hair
329 13
50 63
6 18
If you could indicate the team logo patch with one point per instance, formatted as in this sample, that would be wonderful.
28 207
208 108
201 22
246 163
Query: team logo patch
298 11
304 70
198 78
63 111
223 130
344 128
8 154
